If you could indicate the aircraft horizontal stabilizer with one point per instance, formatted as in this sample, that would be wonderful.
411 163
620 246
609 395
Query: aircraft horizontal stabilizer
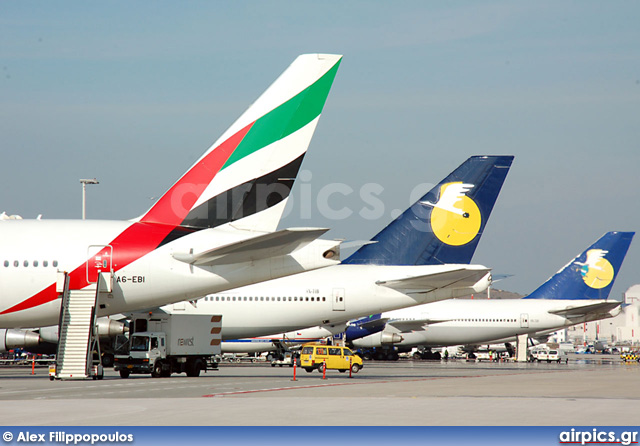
584 310
458 278
273 244
415 324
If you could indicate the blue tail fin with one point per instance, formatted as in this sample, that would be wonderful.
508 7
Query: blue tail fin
591 274
445 225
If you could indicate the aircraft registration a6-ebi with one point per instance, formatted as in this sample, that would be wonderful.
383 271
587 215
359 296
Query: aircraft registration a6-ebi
213 230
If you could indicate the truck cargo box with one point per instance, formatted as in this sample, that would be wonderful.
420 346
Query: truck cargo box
186 334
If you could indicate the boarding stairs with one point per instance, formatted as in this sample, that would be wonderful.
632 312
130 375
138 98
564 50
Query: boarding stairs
78 355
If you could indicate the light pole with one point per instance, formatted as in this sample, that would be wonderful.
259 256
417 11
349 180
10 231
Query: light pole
84 194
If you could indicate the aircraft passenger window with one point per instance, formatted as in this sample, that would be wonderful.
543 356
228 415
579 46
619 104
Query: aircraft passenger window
261 298
55 263
35 263
312 299
250 298
278 299
306 299
245 298
234 298
45 263
289 298
16 263
324 299
6 263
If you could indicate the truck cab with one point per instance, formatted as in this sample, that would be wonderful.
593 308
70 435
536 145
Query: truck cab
146 351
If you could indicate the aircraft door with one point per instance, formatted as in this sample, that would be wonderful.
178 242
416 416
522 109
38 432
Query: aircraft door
338 299
99 261
524 320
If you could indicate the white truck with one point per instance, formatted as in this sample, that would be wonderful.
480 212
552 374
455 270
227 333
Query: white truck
162 344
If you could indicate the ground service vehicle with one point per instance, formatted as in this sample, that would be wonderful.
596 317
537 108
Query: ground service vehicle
162 344
313 357
549 355
288 358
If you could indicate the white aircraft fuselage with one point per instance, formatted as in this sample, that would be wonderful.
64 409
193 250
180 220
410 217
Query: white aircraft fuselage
33 253
329 297
469 321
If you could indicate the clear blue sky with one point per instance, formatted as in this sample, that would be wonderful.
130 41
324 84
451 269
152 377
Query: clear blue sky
133 92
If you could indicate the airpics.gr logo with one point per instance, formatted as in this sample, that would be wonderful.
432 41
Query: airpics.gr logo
596 271
455 218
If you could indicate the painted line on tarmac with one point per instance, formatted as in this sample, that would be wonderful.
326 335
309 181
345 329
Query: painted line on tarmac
316 386
276 389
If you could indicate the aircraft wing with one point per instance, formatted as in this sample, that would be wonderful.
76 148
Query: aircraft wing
581 311
458 278
415 324
273 244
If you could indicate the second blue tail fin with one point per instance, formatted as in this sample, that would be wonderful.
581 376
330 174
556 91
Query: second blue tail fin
445 225
591 274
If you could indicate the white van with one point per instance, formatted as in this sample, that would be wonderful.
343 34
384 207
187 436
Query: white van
547 355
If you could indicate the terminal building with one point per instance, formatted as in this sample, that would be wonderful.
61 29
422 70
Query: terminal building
623 329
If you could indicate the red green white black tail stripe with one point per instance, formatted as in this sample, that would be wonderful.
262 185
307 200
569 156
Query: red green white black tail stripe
271 136
265 147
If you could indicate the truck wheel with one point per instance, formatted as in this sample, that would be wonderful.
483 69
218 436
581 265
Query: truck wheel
157 370
107 360
124 373
320 368
355 368
194 368
309 369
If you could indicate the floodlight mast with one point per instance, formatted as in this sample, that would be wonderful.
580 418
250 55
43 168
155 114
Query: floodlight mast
84 193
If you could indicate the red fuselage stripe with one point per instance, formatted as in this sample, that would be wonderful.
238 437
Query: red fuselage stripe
143 237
